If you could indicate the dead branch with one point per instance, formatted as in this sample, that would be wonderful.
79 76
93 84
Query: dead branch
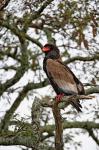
46 102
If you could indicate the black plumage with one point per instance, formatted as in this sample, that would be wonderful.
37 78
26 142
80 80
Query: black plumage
60 76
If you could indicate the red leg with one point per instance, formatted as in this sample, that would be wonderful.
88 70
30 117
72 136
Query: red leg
59 97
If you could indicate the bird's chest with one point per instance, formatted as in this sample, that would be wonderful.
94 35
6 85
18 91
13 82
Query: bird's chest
50 78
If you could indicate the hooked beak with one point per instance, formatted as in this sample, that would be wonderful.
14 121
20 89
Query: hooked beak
45 49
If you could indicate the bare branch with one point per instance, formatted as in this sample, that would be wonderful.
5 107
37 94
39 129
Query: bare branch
91 133
80 58
65 101
92 90
58 127
33 40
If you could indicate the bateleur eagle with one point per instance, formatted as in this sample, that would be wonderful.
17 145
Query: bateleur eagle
60 76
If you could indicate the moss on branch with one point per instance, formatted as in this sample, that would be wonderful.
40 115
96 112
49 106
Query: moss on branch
29 139
72 124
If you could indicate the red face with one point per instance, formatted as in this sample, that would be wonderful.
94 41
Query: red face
46 48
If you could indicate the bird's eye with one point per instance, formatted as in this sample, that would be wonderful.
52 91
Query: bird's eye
45 49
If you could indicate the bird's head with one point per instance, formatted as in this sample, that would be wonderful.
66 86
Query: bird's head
51 50
48 47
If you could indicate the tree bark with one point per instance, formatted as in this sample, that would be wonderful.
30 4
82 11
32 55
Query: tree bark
58 127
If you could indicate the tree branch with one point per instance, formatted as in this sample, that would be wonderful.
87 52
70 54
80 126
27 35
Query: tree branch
23 60
58 127
66 125
35 15
65 101
24 138
80 58
58 119
91 133
72 124
33 40
45 102
36 115
19 33
20 71
19 99
92 90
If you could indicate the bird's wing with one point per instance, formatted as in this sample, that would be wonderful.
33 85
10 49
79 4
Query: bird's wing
62 76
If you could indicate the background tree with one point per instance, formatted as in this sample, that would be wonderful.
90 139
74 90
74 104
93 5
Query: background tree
26 25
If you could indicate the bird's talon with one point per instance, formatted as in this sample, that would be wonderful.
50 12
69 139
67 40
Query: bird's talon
59 97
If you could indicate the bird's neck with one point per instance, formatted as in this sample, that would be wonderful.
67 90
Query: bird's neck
52 55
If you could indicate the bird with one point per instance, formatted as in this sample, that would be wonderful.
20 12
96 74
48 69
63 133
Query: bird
62 79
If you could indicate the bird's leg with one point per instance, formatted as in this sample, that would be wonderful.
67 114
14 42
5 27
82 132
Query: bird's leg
59 97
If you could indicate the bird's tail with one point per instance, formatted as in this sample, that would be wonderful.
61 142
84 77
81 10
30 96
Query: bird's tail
76 104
